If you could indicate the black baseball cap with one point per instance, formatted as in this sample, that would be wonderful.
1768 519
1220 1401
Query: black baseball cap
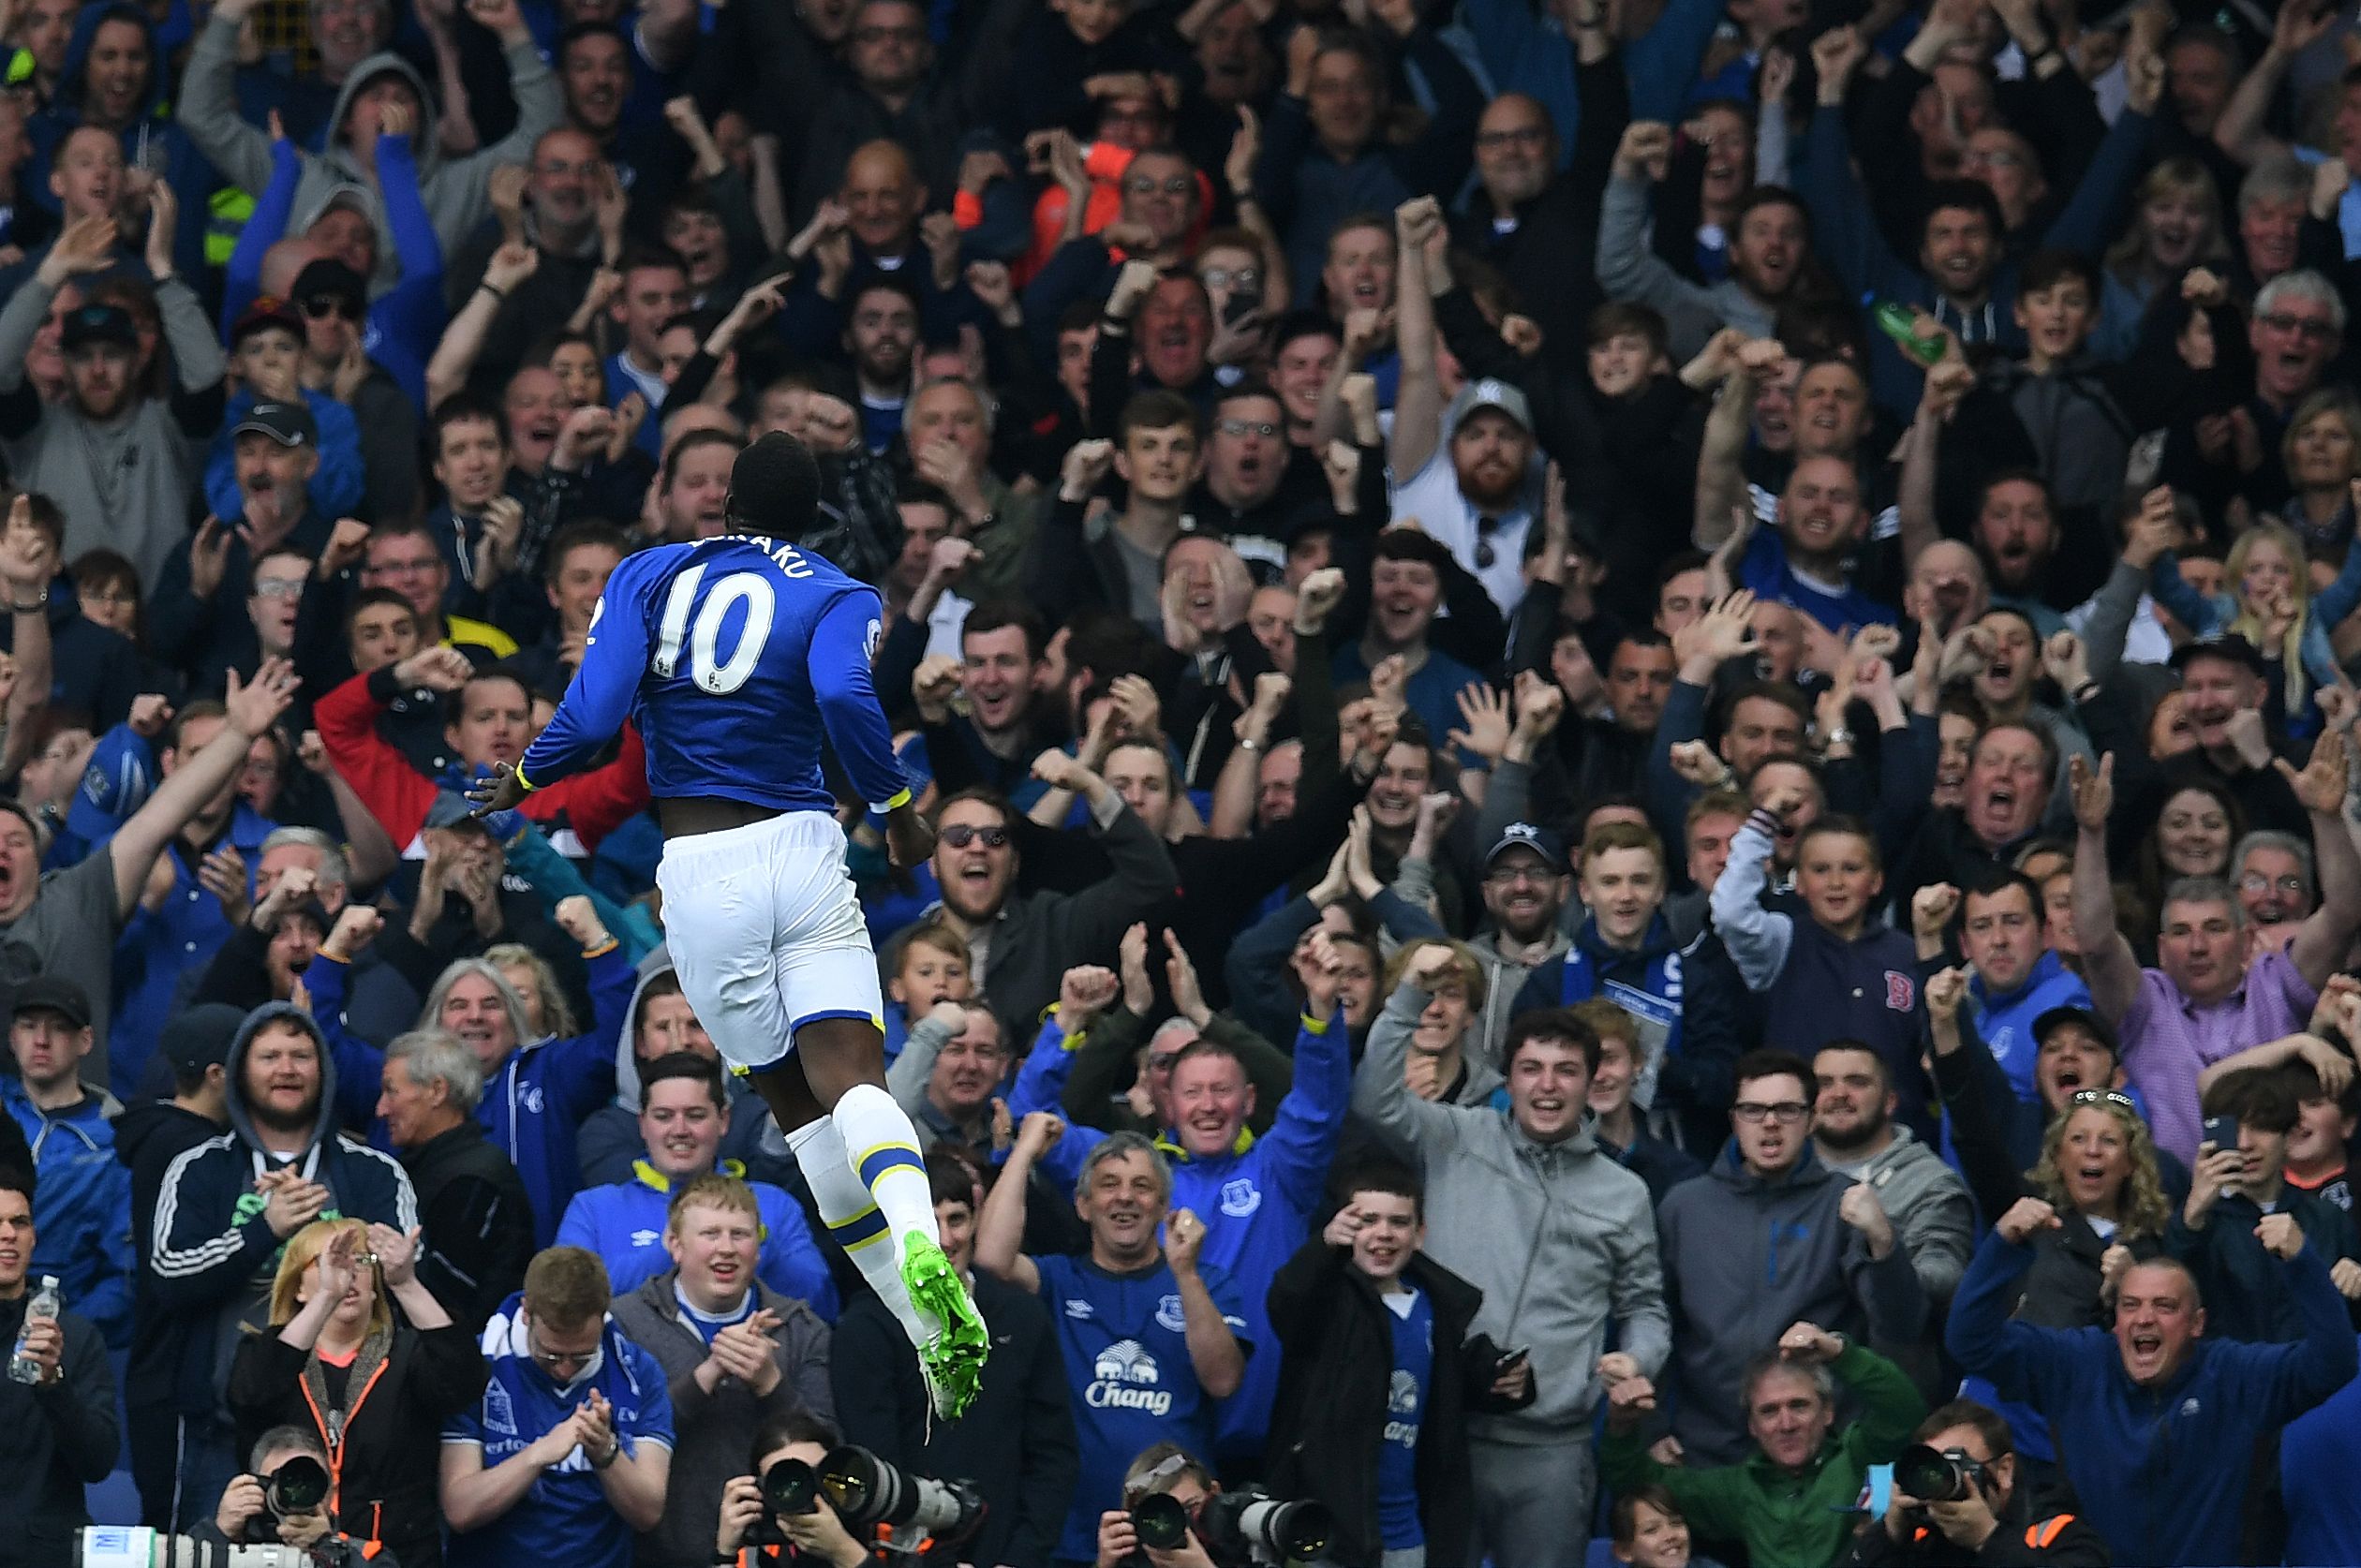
200 1037
1529 836
2055 1018
51 993
290 424
329 278
98 323
2227 645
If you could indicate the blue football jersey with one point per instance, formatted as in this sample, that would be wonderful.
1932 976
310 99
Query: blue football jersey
738 658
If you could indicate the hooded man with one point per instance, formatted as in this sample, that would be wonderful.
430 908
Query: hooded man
227 1204
455 190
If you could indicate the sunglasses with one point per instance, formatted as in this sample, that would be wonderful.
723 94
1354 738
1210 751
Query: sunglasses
2101 1097
320 308
959 836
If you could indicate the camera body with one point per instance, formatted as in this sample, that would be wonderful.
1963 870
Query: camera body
299 1485
790 1487
1937 1474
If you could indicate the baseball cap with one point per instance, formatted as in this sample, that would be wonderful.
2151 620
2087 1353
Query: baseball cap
268 310
2058 1017
54 993
289 425
1489 391
2227 645
329 278
98 323
200 1037
450 811
1529 836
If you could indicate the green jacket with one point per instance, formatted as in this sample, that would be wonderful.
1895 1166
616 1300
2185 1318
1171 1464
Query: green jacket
1787 1522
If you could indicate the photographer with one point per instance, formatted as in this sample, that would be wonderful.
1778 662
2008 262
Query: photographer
246 1516
1165 1468
1988 1518
754 1534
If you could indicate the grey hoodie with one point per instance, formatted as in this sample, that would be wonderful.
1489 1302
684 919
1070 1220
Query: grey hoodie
1558 1236
1746 1259
1628 269
453 189
1930 1209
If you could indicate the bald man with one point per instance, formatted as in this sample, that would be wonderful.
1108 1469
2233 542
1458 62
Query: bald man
1524 214
886 197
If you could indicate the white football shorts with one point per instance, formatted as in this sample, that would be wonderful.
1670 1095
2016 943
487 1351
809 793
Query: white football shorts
766 933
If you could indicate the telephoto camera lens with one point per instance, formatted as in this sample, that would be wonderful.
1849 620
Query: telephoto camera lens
299 1485
791 1487
865 1490
1931 1475
1160 1521
1254 1523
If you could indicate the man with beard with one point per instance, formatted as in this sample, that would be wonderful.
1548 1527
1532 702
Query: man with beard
2015 536
1524 890
1477 492
194 621
2015 978
227 1205
1855 1135
117 461
1770 250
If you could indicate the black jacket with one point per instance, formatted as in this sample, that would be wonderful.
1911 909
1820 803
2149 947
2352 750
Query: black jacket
478 1222
1015 1442
2033 1530
387 1467
54 1440
1334 1384
149 1136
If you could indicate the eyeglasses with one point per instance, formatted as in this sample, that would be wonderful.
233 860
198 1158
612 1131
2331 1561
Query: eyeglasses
1787 1112
2309 328
1486 556
2255 881
279 587
1147 185
1228 277
2116 1098
320 308
1263 428
1522 136
552 1359
960 834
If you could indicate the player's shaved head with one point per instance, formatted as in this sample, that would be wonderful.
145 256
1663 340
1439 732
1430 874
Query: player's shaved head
774 488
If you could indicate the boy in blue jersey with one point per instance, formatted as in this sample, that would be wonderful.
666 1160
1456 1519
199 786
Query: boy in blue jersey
569 1451
740 657
1150 1342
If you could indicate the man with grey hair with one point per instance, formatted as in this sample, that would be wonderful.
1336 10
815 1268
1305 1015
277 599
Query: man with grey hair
1150 1340
2273 873
2210 994
477 1221
2296 334
948 426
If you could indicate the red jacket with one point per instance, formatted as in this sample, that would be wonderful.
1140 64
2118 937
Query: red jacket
595 803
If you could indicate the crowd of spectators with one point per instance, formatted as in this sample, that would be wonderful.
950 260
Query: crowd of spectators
1642 716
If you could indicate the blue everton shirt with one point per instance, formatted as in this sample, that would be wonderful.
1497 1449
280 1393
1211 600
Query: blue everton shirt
738 658
564 1520
1123 1340
624 1224
1413 1321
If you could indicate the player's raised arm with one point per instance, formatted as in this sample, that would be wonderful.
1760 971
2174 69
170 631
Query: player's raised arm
614 656
856 721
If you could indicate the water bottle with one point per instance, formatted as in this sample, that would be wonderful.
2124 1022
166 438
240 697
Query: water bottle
1899 322
23 1368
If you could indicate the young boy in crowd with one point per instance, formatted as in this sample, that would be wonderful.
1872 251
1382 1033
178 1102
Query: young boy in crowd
932 967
